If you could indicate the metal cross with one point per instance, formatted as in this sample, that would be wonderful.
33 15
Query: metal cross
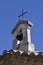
22 15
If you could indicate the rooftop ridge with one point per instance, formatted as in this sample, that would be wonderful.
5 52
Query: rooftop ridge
21 52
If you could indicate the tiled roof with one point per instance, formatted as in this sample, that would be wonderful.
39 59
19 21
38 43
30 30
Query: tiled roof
27 56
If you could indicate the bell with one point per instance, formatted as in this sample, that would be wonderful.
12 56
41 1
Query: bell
20 36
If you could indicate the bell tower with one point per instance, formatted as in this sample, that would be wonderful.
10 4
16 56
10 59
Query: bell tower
22 36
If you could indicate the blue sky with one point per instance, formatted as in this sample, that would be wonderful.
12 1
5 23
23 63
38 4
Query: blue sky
9 11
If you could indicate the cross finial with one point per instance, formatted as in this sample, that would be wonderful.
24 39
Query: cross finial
22 15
